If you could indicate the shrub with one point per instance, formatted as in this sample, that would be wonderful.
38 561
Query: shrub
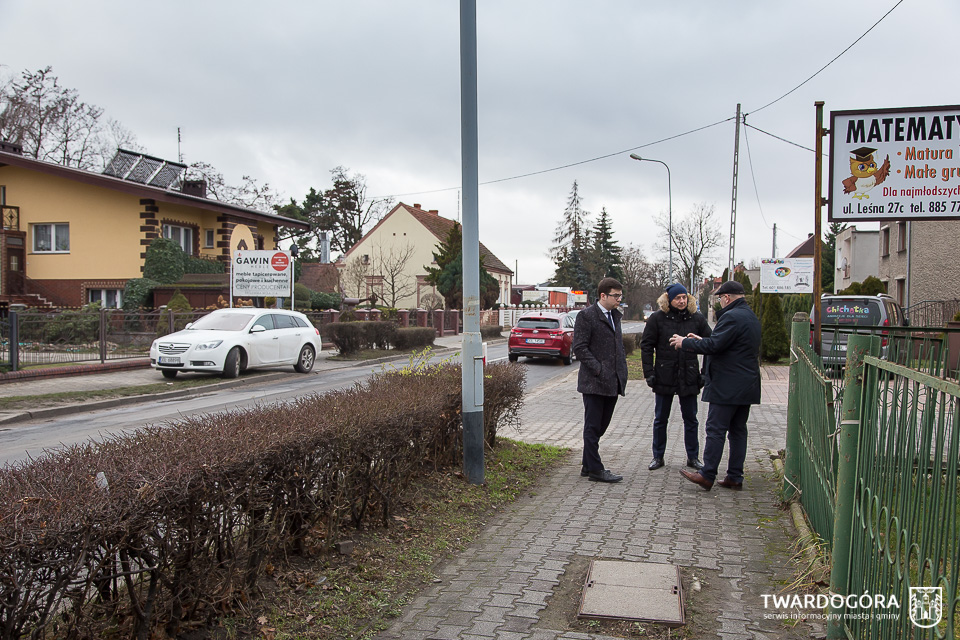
414 338
491 331
347 337
73 326
302 296
629 342
182 314
380 334
956 316
389 313
201 265
774 341
323 301
164 261
138 292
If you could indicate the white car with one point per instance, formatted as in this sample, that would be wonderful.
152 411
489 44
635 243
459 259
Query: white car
228 341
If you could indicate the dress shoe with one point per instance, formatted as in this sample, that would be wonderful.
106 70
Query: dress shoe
693 463
655 464
696 478
727 483
583 472
605 476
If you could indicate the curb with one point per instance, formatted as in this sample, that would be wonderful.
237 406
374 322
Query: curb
812 558
75 370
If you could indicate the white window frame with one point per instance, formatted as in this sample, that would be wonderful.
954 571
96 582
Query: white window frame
184 236
101 297
52 226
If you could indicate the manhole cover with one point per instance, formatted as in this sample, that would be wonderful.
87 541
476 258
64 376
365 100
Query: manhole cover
641 591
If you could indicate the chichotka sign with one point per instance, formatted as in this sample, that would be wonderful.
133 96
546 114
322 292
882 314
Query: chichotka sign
895 164
260 273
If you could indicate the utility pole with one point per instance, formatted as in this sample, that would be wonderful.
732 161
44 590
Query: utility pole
733 203
773 254
818 201
471 351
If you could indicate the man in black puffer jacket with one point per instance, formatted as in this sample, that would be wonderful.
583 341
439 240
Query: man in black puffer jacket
670 372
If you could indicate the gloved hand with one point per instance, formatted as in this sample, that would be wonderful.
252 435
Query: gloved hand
649 381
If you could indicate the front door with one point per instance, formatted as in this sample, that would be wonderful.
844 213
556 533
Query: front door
13 275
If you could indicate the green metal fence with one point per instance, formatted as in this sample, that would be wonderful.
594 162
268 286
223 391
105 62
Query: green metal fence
874 463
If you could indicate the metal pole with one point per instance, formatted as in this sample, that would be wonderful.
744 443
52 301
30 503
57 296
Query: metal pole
472 348
818 206
733 199
669 213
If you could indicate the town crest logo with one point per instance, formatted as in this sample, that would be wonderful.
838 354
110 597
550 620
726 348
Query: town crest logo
926 606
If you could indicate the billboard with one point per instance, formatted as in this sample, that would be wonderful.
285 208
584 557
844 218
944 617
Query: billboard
261 273
895 164
789 275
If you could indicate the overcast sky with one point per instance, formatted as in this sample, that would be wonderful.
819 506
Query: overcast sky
285 91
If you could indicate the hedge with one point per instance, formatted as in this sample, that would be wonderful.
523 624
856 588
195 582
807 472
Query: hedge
414 337
169 526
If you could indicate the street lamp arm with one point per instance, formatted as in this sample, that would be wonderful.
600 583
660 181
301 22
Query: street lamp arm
669 211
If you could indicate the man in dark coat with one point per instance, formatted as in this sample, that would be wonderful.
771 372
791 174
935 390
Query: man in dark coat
598 344
673 372
732 369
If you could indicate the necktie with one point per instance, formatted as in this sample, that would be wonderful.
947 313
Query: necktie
610 318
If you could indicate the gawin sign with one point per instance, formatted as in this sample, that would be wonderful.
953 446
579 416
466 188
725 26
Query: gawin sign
261 273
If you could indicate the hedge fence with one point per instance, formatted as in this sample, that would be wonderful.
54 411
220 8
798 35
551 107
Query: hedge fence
172 525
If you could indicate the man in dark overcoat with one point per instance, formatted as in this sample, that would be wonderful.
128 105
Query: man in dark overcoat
598 344
671 372
732 372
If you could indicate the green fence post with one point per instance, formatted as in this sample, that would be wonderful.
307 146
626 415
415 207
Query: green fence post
848 441
799 334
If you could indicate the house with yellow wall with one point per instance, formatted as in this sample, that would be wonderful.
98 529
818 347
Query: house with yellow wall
73 237
391 259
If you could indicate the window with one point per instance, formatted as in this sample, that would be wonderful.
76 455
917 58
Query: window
208 238
183 236
51 238
108 298
885 241
901 290
901 236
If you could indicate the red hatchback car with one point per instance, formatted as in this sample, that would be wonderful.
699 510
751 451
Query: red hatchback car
542 335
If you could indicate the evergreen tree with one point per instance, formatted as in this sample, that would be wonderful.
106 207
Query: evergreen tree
447 276
775 343
605 257
571 245
828 253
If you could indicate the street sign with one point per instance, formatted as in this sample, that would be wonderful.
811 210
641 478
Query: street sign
789 275
895 164
260 273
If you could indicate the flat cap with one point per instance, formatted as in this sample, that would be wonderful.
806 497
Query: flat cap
731 286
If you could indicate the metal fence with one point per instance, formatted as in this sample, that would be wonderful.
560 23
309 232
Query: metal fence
874 464
33 338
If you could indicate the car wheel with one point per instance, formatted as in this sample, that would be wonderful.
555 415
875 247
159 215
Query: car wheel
513 357
231 366
567 360
305 361
169 374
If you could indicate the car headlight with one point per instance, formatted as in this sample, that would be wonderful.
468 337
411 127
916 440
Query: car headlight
206 346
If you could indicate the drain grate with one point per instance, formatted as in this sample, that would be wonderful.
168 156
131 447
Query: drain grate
641 591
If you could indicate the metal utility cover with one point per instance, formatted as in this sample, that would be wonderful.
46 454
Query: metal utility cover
641 591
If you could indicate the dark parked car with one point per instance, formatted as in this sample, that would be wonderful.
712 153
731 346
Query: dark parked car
851 312
542 335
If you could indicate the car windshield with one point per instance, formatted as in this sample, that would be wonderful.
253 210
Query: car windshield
856 312
538 323
222 322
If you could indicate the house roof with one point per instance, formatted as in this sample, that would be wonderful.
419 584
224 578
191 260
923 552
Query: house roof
439 227
804 249
145 191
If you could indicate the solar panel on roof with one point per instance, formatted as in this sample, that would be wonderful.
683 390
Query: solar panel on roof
144 169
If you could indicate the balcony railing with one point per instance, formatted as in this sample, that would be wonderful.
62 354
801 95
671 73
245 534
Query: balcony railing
11 217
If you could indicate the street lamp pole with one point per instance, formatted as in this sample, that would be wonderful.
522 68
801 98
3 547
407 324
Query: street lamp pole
294 252
669 212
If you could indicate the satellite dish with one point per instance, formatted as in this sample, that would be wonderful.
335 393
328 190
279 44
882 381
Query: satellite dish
843 263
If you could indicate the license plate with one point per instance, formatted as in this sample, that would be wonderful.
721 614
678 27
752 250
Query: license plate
168 360
535 340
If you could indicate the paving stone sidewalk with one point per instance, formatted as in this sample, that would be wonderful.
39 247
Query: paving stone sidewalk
736 544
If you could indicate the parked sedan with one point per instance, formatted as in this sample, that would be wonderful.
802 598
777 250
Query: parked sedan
228 341
541 334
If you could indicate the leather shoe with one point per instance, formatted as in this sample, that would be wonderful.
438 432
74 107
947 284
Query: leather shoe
727 483
655 464
696 478
605 476
693 463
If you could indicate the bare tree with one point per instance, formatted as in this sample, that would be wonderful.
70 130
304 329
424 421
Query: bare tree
644 280
695 239
353 277
250 193
390 263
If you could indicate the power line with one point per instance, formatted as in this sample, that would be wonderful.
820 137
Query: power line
837 57
779 138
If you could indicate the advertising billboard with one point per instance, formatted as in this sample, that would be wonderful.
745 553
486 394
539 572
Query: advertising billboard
261 273
789 275
895 164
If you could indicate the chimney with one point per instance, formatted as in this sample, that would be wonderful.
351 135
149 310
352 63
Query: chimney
197 188
11 147
435 212
416 206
